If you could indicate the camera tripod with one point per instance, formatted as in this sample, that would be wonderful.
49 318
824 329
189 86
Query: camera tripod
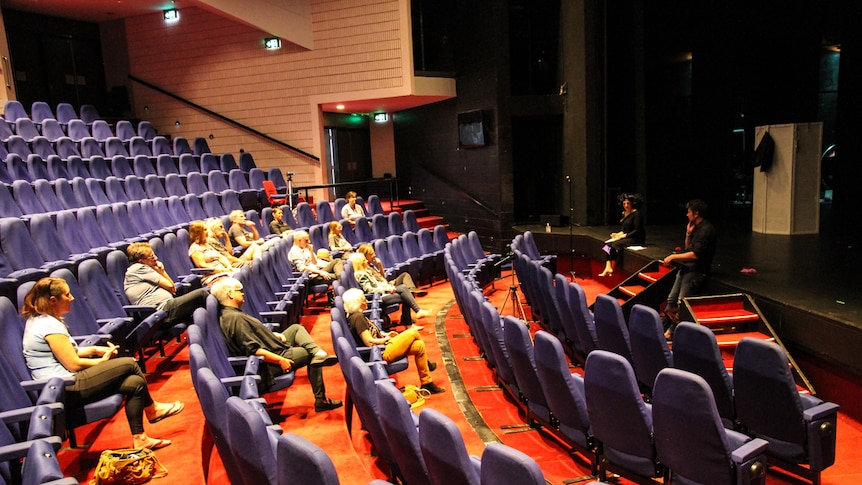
517 306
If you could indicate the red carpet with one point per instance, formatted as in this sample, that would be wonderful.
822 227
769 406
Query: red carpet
170 380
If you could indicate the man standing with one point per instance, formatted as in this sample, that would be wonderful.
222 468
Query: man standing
147 283
281 352
694 261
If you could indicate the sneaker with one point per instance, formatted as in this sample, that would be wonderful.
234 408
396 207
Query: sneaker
323 360
327 405
432 366
433 388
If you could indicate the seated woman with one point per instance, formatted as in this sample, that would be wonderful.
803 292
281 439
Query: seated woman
391 294
203 256
337 241
50 352
631 234
397 345
351 211
278 226
217 239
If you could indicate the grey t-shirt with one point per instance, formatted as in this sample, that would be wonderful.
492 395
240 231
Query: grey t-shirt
37 352
142 286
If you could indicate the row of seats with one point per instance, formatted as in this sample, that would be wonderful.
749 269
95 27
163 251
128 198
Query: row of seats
639 346
88 148
35 166
76 129
40 111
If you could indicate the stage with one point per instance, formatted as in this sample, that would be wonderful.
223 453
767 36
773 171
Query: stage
808 286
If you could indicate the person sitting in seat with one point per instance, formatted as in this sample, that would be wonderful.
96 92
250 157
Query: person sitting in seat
337 242
351 211
281 351
217 238
205 256
50 351
391 294
377 270
302 258
147 283
243 233
278 226
397 345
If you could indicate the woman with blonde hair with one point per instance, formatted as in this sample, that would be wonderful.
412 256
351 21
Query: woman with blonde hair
337 241
50 351
390 294
203 256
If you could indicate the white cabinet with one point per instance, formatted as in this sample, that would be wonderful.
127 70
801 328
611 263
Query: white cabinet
787 196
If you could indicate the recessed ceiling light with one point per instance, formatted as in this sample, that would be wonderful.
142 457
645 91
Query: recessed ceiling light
340 106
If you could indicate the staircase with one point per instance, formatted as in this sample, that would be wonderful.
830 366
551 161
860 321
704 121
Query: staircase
733 317
423 216
646 286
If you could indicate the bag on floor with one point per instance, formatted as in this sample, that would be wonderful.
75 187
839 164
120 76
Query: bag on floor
415 396
127 466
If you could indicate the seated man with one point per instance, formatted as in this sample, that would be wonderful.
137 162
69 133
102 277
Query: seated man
302 259
281 352
243 233
217 238
397 345
147 283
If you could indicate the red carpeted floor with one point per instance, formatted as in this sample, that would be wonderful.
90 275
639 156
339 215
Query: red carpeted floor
187 458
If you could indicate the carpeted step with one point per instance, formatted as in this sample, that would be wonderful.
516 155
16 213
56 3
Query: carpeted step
430 222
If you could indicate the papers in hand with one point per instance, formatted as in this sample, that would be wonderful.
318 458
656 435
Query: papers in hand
608 241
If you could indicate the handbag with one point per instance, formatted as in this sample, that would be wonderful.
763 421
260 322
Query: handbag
127 466
415 396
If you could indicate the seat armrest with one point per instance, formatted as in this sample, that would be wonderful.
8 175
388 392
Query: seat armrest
749 450
820 411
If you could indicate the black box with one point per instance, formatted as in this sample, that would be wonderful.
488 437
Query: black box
552 219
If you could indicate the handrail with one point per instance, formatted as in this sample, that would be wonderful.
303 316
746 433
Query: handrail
461 191
223 118
390 180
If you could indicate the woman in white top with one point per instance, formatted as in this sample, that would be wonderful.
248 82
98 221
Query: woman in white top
50 351
337 241
351 210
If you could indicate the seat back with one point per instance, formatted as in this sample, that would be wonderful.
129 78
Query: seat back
650 353
611 326
213 398
618 415
41 111
90 147
160 145
25 128
89 113
696 350
503 465
57 167
563 391
410 221
443 450
304 215
52 130
361 386
66 112
324 212
301 462
246 162
363 231
689 436
181 146
250 443
401 434
124 130
520 348
396 225
379 226
77 130
13 109
146 130
46 195
120 166
374 206
208 163
100 129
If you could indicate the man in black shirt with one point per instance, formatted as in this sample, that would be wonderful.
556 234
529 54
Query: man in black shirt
281 352
694 261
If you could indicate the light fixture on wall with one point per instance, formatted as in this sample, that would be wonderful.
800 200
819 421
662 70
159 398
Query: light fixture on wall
177 123
171 15
272 43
